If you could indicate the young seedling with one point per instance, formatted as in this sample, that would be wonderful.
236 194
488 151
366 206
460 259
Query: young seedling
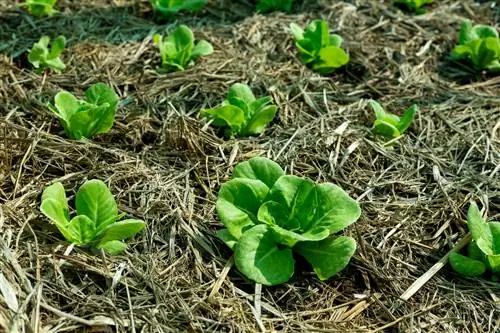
389 125
242 114
40 8
41 57
318 49
167 8
483 252
414 6
269 215
480 45
265 6
179 51
86 118
96 222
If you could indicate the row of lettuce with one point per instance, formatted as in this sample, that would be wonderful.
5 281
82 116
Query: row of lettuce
268 215
168 8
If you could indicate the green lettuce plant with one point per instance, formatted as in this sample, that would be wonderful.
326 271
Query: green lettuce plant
480 45
414 6
483 252
318 48
96 223
167 8
389 125
241 113
265 6
41 57
91 116
178 50
40 7
269 216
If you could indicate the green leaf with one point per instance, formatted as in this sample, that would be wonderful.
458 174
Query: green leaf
480 31
385 129
479 230
226 116
100 94
202 48
461 52
56 192
259 258
329 256
103 116
241 95
329 58
407 119
58 46
238 203
465 33
290 238
484 51
336 40
95 201
466 266
317 32
66 106
495 234
474 252
260 120
121 230
83 229
382 115
259 168
227 238
55 211
265 6
168 8
113 247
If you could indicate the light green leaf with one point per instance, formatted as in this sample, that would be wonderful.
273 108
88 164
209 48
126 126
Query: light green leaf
290 238
113 247
121 230
226 115
55 211
330 58
479 230
260 168
95 201
66 105
241 95
328 256
407 119
466 266
297 32
227 238
83 229
461 52
260 120
202 48
100 94
259 258
56 192
58 45
238 203
317 32
336 40
385 129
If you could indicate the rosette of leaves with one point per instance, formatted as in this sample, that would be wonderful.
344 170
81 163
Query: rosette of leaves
40 8
389 125
88 117
96 223
480 45
265 6
483 252
318 48
41 57
167 8
414 6
269 216
178 50
241 113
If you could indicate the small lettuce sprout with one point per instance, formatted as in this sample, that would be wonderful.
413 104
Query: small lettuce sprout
318 49
265 6
167 8
42 58
86 118
479 44
96 222
483 252
269 215
242 114
40 8
389 125
414 6
179 51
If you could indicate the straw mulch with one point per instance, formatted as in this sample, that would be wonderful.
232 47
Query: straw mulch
164 165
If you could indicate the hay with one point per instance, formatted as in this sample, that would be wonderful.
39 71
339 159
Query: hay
163 165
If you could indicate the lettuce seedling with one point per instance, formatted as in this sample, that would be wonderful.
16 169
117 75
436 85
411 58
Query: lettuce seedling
414 6
389 125
483 252
96 222
265 6
318 49
42 58
86 118
178 50
479 44
269 215
167 8
40 8
242 114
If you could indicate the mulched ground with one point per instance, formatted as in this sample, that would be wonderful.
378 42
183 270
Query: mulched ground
165 166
